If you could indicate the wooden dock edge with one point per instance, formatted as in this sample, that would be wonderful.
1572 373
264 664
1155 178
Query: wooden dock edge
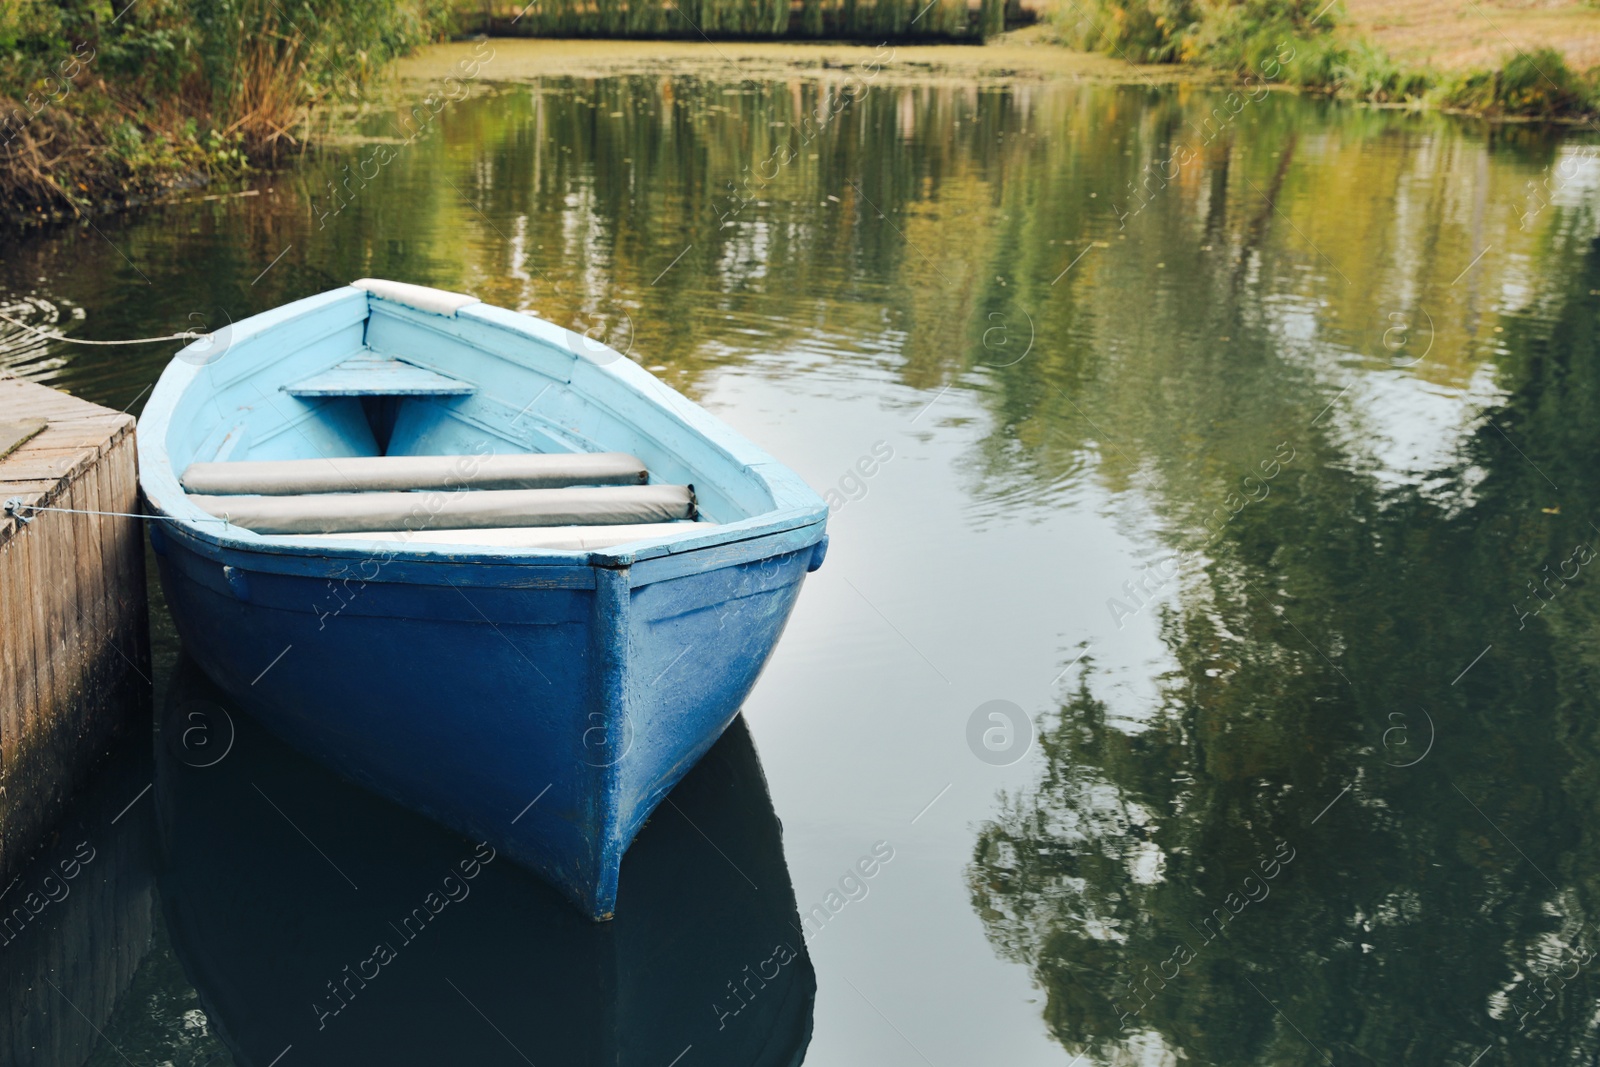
74 641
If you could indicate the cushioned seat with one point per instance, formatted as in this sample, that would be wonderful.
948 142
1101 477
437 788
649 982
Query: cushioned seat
319 513
290 477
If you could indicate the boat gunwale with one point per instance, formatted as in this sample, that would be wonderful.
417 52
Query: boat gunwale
538 568
796 506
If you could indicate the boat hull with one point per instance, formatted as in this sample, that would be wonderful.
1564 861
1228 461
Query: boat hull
545 711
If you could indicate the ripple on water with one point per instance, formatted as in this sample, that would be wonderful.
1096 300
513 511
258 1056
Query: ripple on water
24 353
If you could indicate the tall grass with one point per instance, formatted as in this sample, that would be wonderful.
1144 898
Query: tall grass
261 64
875 20
242 68
1296 40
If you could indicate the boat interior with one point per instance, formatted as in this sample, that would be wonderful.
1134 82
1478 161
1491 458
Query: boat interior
368 418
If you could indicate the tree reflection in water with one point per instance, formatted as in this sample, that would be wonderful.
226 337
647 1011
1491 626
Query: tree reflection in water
1325 701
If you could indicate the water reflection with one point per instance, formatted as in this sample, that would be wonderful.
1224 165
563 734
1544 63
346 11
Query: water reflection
79 925
701 224
310 914
1355 825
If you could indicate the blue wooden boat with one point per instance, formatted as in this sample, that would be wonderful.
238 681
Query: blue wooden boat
475 562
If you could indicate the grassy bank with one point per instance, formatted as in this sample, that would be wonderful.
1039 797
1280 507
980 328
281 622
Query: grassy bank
1306 44
107 101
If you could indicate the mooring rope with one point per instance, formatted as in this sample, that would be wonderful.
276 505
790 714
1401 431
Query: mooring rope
15 503
186 335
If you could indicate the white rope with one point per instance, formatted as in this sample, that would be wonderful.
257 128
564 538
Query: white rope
187 335
15 503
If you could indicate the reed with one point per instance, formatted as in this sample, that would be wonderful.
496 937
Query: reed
103 101
267 99
874 20
266 63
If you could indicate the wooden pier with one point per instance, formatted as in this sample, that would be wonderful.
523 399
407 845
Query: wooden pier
74 647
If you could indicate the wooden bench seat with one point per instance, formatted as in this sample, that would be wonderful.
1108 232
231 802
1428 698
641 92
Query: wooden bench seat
357 474
321 513
554 537
370 374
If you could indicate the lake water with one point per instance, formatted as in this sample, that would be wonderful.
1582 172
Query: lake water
1207 637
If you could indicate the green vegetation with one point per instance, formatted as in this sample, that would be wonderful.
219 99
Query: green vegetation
874 20
1243 37
107 100
103 102
1540 84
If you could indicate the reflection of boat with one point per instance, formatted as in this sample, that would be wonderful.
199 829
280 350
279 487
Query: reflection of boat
440 957
383 540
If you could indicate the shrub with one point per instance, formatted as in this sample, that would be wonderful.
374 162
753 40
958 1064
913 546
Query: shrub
1294 41
1140 31
1370 73
1246 36
1533 85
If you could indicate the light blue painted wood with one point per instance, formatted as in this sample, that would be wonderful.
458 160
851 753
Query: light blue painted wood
472 342
466 680
374 375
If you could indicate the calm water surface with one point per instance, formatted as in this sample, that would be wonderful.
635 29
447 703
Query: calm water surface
1248 460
